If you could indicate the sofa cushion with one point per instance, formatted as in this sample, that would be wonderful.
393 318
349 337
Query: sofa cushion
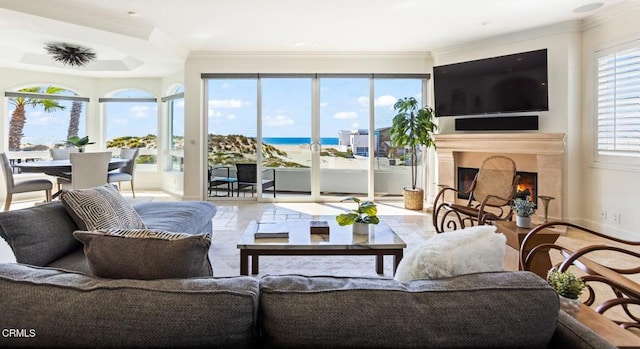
465 251
492 310
100 208
72 310
146 254
39 235
191 217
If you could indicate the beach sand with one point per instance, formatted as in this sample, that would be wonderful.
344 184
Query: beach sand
301 154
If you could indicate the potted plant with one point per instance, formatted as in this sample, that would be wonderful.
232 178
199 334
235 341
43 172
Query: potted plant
523 209
80 143
412 128
569 287
361 217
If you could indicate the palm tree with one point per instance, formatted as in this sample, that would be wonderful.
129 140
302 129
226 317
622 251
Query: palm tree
74 119
18 117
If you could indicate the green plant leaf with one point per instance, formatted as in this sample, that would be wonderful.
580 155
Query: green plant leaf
368 208
346 218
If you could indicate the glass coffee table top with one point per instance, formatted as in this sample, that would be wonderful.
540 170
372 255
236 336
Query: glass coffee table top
380 236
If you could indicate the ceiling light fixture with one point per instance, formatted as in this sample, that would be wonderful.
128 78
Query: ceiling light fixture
70 54
588 7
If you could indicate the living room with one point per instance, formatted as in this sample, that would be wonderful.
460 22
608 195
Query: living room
590 184
570 44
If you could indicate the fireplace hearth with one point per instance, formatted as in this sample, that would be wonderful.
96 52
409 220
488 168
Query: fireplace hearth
527 187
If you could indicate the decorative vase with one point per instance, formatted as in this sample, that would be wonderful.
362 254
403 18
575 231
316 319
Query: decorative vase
523 222
81 150
570 306
360 228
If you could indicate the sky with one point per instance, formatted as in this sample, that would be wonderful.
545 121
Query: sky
232 109
286 112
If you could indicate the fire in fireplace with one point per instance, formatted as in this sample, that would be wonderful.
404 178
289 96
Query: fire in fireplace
527 188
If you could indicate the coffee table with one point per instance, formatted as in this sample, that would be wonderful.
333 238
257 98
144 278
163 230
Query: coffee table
340 241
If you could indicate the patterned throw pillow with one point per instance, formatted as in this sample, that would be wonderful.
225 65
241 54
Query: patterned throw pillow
146 254
100 208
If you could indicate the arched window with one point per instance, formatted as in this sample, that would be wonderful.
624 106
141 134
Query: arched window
131 121
42 117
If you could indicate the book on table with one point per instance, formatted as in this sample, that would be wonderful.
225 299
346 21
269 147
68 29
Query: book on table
272 230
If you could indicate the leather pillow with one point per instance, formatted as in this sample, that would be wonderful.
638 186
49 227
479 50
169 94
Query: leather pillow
146 254
100 208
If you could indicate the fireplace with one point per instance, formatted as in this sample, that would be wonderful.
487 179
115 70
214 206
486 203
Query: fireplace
527 188
535 152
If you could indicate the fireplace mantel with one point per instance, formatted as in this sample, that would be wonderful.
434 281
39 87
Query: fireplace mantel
517 143
533 152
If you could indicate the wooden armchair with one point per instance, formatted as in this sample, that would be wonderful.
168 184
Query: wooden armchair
605 267
490 197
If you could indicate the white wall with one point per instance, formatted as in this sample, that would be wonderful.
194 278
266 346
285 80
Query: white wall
610 189
199 63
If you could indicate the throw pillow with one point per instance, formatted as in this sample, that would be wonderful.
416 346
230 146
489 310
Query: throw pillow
470 250
100 208
145 254
39 235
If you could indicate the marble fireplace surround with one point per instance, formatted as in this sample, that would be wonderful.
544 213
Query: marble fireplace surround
532 152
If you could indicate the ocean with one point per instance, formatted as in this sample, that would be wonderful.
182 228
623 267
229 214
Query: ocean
298 140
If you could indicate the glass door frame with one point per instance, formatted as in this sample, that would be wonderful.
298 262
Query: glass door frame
315 145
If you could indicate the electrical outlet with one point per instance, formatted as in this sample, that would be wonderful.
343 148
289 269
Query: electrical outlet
615 217
603 215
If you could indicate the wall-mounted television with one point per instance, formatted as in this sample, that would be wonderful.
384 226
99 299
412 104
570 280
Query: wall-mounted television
505 84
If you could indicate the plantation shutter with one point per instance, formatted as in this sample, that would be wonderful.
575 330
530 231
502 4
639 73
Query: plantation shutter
618 103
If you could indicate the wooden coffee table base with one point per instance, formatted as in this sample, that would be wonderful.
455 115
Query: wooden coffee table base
253 254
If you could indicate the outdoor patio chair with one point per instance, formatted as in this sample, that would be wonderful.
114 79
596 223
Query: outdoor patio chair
490 197
221 176
247 175
14 187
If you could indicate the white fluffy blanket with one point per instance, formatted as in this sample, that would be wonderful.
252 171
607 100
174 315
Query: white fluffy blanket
470 250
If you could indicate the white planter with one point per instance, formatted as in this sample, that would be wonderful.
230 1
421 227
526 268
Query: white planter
570 306
360 228
523 222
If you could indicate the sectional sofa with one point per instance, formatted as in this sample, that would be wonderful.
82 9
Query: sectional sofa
53 301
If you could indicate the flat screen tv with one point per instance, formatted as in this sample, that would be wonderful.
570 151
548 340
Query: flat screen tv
505 84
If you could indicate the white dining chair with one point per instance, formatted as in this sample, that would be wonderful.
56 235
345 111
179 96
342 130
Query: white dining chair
88 170
125 173
62 153
25 186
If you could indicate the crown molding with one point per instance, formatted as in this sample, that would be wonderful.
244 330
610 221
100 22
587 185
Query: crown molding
320 54
510 38
612 13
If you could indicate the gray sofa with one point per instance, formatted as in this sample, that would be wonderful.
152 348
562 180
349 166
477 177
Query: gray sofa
46 306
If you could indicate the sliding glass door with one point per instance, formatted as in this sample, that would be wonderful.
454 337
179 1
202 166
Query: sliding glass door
309 137
287 135
344 136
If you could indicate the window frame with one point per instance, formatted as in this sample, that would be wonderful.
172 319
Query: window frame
610 159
